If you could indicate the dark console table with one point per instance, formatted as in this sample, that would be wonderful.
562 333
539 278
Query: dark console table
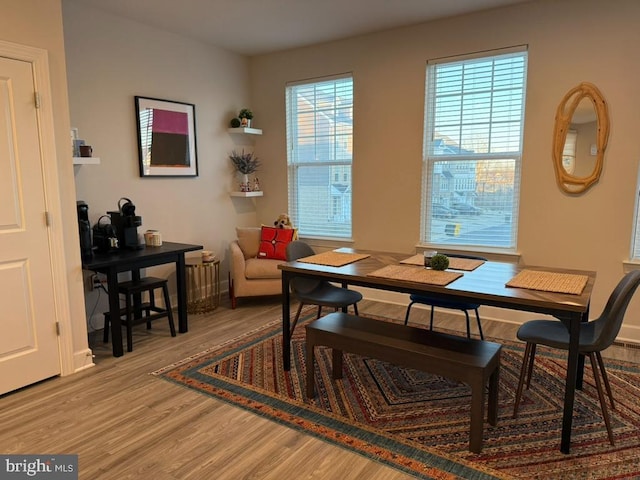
132 261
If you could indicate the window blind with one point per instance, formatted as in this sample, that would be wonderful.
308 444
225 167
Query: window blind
319 116
474 117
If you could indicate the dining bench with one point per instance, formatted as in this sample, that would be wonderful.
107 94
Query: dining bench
474 362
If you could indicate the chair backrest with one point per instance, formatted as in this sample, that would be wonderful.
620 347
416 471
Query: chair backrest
295 250
609 323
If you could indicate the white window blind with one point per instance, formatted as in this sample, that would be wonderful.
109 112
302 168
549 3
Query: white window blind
474 119
320 154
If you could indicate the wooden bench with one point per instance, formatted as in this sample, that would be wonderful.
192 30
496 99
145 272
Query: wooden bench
471 361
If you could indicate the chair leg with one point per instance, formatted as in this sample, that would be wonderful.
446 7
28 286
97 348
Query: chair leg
355 310
532 357
605 378
152 303
431 319
319 311
479 325
523 371
466 314
406 316
295 320
167 306
129 323
603 401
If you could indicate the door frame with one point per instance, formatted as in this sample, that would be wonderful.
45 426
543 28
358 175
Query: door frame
39 60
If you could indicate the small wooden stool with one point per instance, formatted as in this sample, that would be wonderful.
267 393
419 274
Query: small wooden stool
153 312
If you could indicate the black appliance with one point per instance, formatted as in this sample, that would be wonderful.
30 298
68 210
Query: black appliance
126 223
105 238
84 228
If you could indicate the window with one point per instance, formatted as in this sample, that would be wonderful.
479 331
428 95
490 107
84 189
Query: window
319 156
474 119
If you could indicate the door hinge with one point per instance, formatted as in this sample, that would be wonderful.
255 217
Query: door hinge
58 328
47 219
36 98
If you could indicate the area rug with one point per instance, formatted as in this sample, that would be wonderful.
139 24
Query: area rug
419 423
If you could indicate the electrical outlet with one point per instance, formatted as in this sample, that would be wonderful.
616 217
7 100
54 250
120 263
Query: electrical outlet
95 282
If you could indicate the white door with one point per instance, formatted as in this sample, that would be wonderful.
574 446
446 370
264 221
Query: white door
29 349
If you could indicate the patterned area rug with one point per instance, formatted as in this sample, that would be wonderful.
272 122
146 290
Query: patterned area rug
419 423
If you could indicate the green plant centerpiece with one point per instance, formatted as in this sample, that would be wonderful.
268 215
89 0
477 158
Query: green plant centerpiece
439 262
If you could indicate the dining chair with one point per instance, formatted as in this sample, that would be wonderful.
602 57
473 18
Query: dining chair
311 291
595 336
436 301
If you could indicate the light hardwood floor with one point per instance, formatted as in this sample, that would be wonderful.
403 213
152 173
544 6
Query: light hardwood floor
125 424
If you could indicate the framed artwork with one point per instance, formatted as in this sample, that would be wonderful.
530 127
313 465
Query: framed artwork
166 138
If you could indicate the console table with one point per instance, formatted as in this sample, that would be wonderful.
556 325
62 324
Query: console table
111 264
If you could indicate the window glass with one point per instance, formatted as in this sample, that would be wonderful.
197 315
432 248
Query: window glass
319 156
474 118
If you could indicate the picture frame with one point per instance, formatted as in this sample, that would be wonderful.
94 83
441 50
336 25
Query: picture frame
166 138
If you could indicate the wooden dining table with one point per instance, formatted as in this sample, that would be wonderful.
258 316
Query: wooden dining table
485 285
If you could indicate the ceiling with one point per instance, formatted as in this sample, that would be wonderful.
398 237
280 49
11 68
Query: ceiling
251 27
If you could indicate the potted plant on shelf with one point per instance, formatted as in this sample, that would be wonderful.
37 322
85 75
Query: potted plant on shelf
244 163
245 117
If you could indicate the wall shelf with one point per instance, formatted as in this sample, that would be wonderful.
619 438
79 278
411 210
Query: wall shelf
246 130
246 194
86 160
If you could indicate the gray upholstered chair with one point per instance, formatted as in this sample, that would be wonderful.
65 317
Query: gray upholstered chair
595 336
311 291
436 301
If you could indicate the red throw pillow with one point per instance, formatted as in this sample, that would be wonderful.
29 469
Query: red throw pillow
274 241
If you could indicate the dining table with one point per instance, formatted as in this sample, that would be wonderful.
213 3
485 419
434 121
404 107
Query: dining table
488 283
133 260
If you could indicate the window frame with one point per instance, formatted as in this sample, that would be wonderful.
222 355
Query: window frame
431 159
340 167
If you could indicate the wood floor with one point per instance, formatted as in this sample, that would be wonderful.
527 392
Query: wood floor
125 424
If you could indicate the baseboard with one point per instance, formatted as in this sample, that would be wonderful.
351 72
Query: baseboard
82 360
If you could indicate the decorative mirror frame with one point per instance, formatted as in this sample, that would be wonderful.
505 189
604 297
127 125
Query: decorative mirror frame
567 182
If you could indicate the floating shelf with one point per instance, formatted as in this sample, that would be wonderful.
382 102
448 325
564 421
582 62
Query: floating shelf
246 194
86 160
247 130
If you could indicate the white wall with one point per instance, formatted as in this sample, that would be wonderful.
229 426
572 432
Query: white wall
109 61
569 41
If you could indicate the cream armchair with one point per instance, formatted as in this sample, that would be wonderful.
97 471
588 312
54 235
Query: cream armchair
250 276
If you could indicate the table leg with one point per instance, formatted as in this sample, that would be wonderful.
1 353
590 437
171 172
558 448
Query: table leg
181 286
114 313
570 384
286 322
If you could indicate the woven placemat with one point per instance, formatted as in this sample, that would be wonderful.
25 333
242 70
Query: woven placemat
466 264
334 259
549 281
419 275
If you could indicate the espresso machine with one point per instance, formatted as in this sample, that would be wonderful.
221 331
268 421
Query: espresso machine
84 228
126 223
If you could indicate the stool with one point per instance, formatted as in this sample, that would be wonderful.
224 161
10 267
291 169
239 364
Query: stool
136 287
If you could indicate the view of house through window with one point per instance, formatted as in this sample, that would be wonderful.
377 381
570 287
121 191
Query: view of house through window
473 149
319 155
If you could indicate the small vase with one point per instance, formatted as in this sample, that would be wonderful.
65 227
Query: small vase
244 185
245 122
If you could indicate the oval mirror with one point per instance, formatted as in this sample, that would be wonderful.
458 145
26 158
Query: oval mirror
580 138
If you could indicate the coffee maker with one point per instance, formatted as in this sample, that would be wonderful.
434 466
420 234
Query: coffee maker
84 228
126 223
